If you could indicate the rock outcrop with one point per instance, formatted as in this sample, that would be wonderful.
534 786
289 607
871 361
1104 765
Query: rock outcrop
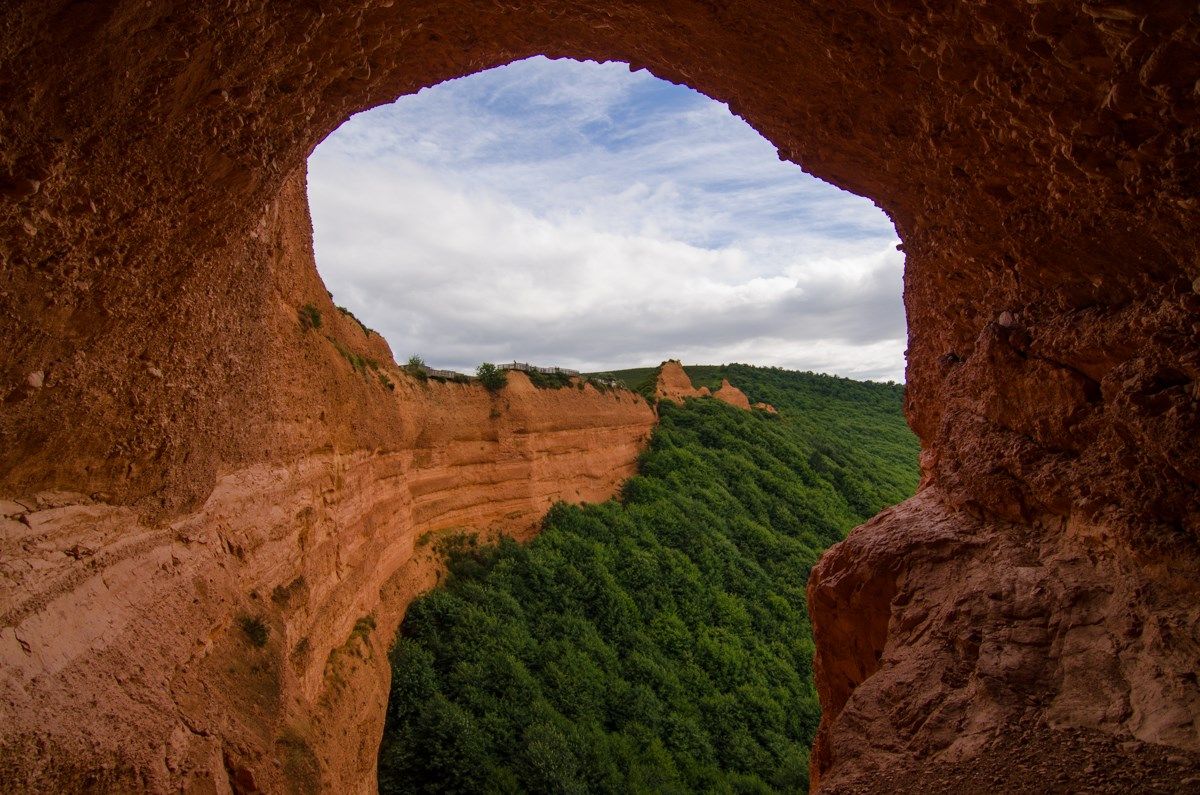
947 641
1040 163
728 393
674 384
126 665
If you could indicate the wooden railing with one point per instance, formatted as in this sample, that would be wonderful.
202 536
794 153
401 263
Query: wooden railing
451 374
533 368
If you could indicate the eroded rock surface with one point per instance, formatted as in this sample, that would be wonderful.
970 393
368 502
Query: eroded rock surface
728 393
1040 161
947 642
674 384
123 644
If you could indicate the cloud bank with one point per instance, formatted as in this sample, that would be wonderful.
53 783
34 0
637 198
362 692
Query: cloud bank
581 215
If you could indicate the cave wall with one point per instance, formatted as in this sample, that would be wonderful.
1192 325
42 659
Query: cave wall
124 662
1039 161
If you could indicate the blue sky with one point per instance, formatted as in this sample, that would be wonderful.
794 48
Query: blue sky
582 215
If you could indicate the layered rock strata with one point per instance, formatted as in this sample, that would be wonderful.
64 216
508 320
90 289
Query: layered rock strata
128 654
1040 163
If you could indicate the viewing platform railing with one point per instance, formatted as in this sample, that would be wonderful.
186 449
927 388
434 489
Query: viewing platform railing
533 368
451 374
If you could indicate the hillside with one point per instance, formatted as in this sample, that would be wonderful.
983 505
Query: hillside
856 428
660 642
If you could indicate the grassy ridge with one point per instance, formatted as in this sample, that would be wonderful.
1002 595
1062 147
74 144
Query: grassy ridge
660 642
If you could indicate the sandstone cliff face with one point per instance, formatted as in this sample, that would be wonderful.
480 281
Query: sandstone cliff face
1038 159
125 666
122 648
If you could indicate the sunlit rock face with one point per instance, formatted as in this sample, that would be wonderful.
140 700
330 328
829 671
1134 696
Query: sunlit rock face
730 394
674 384
1040 163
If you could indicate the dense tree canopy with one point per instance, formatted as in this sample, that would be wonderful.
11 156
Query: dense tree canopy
659 642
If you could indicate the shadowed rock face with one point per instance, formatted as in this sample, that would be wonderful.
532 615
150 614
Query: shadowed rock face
1038 159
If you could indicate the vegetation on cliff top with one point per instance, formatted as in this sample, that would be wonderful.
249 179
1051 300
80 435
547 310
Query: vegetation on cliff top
491 376
660 642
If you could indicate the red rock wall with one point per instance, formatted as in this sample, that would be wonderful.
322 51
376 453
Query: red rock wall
1038 159
124 663
124 660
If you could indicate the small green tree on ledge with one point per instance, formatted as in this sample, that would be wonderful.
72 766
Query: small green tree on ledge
416 368
491 376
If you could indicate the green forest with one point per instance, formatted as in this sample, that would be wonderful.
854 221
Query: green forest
658 642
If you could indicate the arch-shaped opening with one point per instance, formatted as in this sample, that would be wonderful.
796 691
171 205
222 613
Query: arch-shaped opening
1039 163
580 214
583 215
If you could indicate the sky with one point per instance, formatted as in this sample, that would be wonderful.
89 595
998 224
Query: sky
581 215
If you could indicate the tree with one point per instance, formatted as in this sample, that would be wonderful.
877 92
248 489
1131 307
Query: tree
416 367
491 376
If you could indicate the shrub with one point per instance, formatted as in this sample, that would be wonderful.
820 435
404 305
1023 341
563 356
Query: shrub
548 380
416 368
387 382
310 317
357 361
491 376
255 629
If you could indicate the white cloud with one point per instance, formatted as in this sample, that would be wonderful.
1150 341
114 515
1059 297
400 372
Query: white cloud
581 215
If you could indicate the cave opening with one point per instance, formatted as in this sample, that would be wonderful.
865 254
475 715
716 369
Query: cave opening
1039 161
595 217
